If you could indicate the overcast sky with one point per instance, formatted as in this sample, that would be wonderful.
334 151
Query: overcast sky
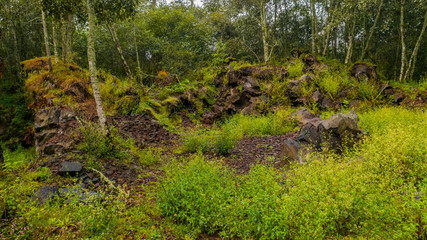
196 2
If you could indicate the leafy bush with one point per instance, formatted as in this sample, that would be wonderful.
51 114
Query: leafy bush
367 90
99 144
149 156
295 68
197 193
19 158
331 82
372 191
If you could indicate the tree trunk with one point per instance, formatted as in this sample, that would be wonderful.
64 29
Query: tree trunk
64 40
372 31
138 63
264 30
313 26
69 35
46 42
411 64
92 65
402 38
55 43
350 42
119 50
329 29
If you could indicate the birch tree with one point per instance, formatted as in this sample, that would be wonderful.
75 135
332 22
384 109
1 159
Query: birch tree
92 64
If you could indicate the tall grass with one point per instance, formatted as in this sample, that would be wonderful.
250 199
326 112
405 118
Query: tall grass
223 139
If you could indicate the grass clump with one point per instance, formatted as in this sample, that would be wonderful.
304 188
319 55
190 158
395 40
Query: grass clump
18 159
296 68
331 82
227 135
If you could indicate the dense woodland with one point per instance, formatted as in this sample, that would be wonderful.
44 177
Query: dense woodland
232 119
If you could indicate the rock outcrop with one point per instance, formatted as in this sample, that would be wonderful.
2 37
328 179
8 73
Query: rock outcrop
334 132
239 90
53 128
70 169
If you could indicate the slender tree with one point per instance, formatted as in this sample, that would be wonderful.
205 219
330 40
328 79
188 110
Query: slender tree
92 64
412 60
371 33
402 39
46 42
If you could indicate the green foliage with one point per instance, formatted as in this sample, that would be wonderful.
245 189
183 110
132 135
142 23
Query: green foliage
331 82
18 159
370 192
367 90
44 173
98 144
197 193
233 129
295 68
149 156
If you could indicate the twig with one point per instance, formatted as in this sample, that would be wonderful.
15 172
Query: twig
110 183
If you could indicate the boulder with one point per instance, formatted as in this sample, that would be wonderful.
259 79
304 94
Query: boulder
53 127
294 87
362 71
251 86
71 193
302 115
70 169
44 194
289 152
335 132
322 101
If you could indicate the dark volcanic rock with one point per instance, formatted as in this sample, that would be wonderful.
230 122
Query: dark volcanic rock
290 149
362 71
53 129
338 130
302 115
294 87
44 194
70 168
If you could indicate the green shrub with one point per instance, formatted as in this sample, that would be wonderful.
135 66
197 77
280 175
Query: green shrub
98 144
197 193
200 140
19 158
225 142
372 191
149 156
296 68
367 90
257 208
331 82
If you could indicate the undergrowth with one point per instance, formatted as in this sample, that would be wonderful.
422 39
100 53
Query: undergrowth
223 138
373 191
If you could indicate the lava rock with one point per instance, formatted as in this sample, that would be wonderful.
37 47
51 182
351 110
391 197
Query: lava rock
44 194
289 149
70 168
338 130
294 87
303 116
